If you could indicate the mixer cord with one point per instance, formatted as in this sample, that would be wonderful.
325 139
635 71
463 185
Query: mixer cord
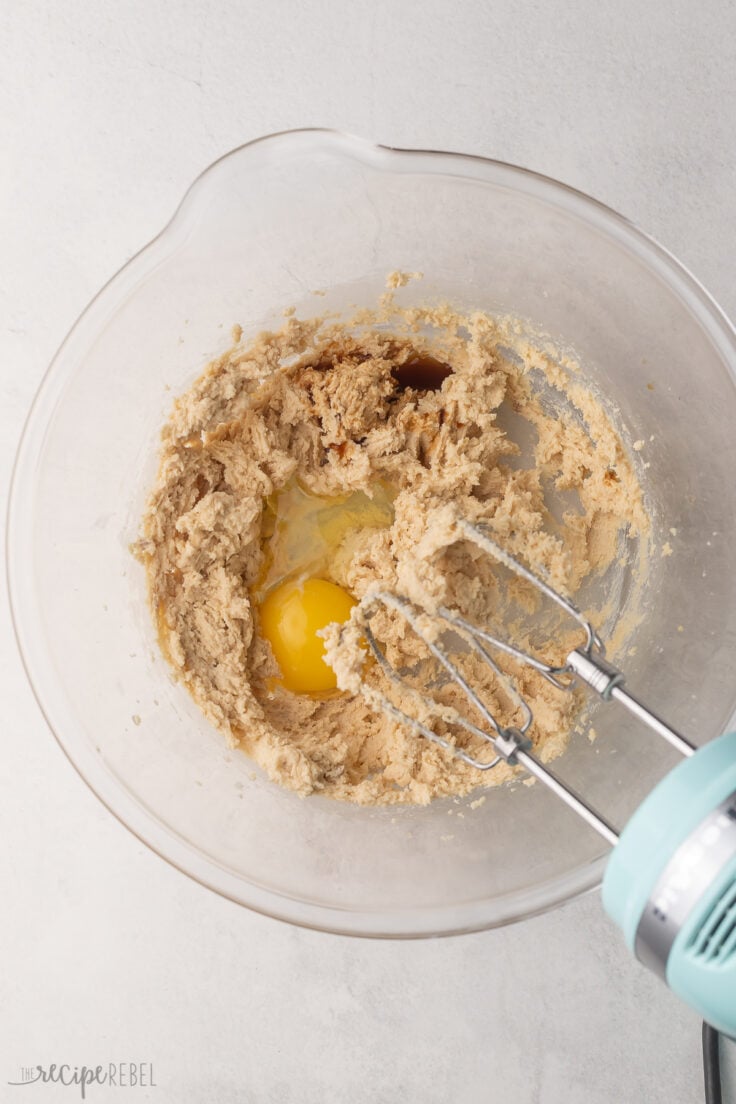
712 1065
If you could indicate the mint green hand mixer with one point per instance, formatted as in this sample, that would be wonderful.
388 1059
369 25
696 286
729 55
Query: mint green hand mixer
670 883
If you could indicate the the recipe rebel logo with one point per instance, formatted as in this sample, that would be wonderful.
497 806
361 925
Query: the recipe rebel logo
117 1075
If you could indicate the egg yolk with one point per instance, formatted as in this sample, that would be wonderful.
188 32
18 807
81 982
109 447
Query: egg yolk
291 615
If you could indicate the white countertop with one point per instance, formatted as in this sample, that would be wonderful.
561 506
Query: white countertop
106 953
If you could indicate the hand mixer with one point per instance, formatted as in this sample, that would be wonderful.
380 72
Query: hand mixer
670 882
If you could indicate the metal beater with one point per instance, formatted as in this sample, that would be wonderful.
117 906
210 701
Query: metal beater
670 882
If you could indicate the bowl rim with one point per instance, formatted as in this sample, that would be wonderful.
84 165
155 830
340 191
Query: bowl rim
448 920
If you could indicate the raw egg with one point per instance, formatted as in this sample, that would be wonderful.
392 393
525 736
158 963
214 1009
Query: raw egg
303 533
291 615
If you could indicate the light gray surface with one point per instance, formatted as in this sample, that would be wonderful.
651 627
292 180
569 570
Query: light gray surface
109 110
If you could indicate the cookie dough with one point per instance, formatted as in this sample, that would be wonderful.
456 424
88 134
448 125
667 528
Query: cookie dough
324 403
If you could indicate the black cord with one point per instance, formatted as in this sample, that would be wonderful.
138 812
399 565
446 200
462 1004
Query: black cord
711 1065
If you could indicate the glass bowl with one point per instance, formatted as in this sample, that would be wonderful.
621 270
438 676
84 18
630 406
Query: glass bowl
264 228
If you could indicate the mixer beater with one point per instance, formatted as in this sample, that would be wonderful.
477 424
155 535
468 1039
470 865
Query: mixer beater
670 882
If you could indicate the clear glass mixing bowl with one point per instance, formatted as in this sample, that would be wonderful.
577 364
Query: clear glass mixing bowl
260 230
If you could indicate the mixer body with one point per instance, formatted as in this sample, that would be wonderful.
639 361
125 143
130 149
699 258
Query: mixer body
670 883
